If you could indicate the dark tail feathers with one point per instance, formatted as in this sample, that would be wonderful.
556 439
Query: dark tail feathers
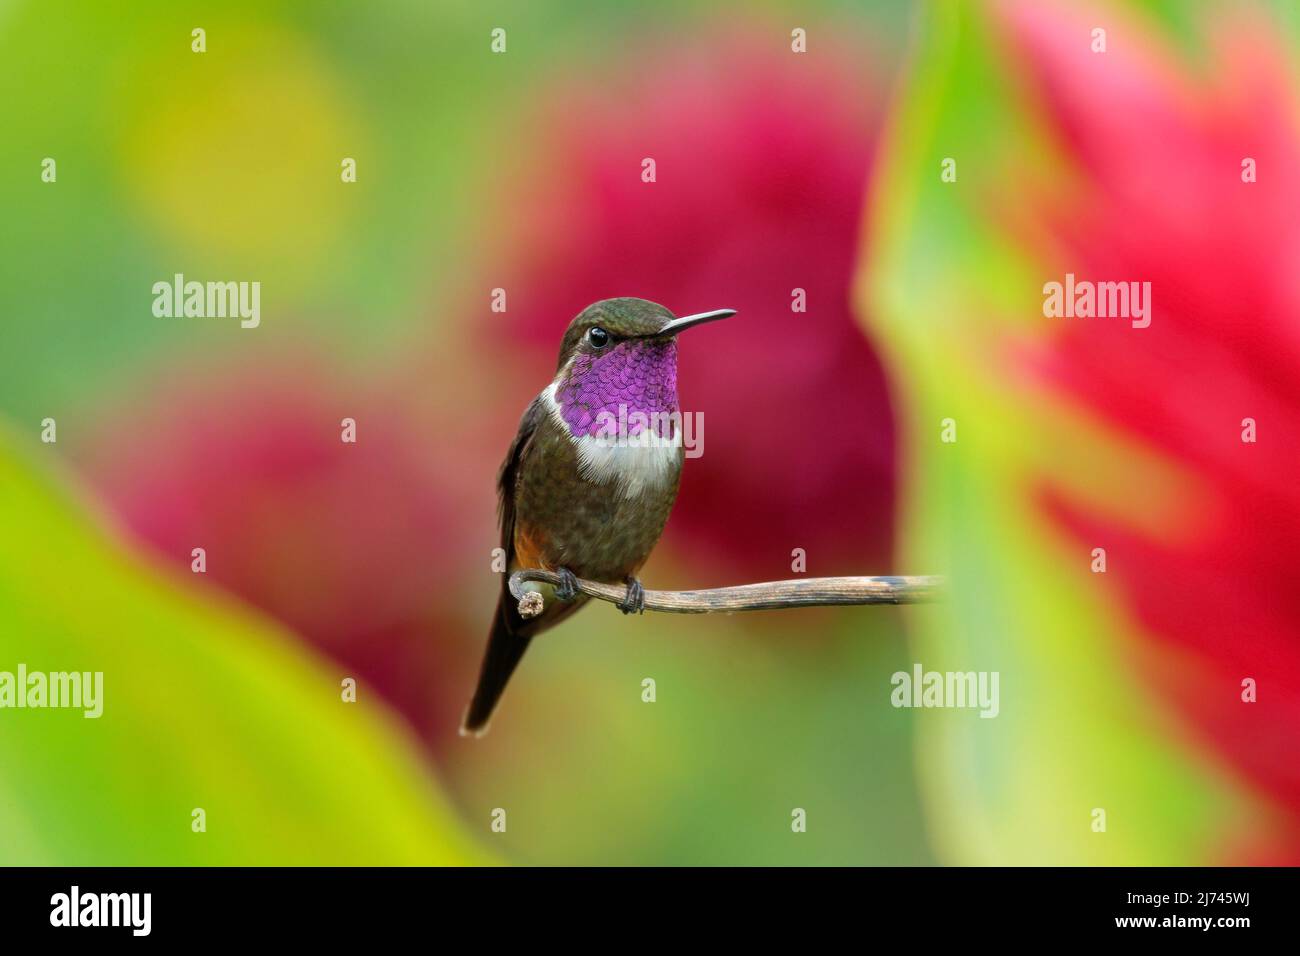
506 645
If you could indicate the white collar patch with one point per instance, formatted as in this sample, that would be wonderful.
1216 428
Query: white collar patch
635 465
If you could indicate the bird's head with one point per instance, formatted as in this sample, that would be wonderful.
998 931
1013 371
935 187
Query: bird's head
621 353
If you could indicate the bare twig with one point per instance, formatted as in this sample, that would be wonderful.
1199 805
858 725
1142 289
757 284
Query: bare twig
768 596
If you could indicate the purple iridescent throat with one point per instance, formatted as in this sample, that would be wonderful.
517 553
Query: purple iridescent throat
640 375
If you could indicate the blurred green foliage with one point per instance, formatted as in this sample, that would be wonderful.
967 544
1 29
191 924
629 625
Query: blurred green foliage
204 706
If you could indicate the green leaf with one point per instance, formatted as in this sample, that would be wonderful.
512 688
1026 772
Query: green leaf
205 705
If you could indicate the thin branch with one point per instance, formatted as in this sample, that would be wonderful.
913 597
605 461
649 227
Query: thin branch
768 596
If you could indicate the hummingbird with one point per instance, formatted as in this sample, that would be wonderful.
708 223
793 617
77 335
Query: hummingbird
587 484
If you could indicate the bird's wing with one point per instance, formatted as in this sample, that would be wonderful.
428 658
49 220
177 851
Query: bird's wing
532 417
510 633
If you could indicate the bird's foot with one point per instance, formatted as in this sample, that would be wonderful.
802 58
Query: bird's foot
567 589
634 601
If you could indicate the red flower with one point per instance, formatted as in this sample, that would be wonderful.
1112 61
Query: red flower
1161 198
364 549
761 163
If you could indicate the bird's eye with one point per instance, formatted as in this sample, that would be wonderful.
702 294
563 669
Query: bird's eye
598 337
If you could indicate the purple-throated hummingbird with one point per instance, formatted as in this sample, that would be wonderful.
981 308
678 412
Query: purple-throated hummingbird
589 480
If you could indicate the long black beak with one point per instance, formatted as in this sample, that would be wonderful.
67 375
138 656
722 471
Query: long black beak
686 321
